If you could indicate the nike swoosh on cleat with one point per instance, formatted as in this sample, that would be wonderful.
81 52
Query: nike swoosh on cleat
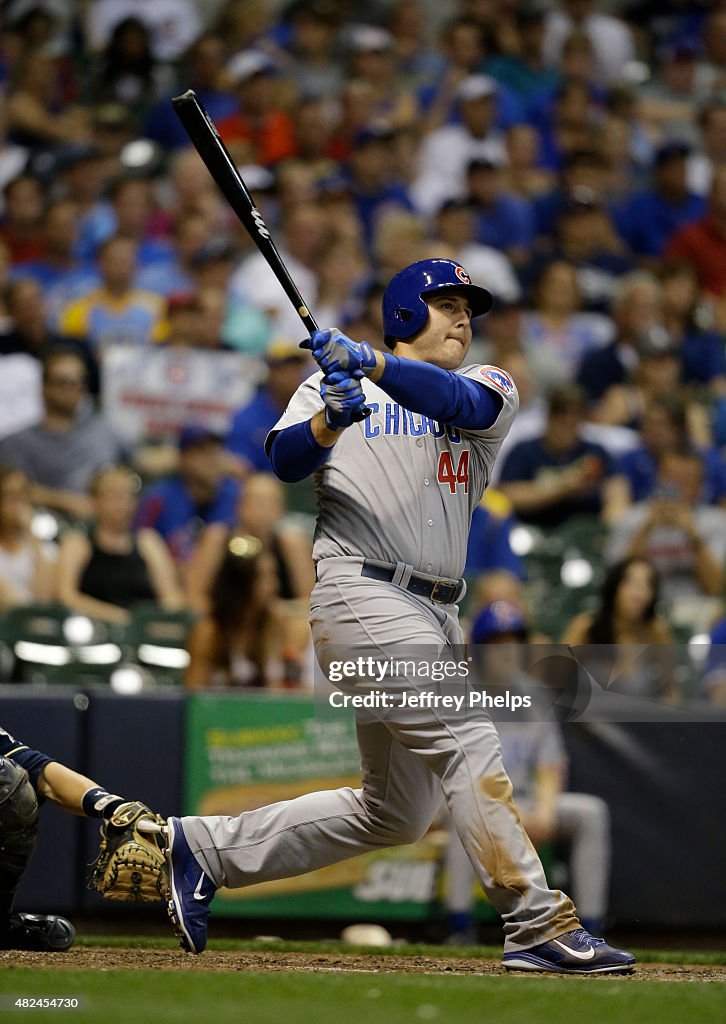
198 891
580 956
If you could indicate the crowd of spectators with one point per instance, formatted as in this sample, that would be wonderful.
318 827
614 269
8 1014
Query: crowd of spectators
571 154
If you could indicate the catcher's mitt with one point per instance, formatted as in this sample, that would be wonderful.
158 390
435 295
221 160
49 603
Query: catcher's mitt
131 864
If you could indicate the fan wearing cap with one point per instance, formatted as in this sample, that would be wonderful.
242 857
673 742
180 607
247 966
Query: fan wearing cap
446 152
463 45
286 368
374 188
203 491
261 132
536 762
182 314
373 61
504 221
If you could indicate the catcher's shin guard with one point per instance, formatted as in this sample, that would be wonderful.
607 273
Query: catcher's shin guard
18 833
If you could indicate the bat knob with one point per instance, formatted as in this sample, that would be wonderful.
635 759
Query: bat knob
185 97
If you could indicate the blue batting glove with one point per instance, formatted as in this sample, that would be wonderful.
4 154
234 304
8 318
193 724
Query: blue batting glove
337 354
345 403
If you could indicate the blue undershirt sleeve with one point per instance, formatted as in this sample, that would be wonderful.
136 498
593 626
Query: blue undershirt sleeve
33 761
444 396
295 454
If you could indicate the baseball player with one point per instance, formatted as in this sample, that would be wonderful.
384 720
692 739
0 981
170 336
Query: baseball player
27 778
402 444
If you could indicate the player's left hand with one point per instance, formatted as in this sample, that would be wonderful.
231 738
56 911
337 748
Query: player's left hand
339 356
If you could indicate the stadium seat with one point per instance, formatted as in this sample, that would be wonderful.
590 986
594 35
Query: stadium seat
34 634
564 573
46 637
156 639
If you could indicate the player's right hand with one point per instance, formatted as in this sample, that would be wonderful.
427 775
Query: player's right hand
345 403
338 355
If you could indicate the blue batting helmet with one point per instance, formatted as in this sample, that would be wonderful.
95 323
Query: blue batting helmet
404 307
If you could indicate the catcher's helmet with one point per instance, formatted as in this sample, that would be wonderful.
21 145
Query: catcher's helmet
404 308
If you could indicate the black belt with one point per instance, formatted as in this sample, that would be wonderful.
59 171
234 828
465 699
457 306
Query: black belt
437 590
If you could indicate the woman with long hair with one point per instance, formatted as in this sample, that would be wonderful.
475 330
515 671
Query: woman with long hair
128 73
239 643
628 640
104 572
26 570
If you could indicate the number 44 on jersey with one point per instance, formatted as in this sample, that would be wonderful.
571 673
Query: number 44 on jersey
453 476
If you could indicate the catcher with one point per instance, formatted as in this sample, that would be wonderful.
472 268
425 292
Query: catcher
130 863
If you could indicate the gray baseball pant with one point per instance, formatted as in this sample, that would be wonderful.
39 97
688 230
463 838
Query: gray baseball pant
583 820
408 760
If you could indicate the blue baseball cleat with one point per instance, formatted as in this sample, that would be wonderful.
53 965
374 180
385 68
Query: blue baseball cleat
190 891
575 952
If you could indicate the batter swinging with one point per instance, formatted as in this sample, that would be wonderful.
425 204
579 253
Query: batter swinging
402 445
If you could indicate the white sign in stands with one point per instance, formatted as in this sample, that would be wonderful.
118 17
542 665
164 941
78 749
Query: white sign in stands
149 393
21 404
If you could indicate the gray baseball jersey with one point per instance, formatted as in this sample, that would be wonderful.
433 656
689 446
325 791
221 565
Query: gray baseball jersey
400 487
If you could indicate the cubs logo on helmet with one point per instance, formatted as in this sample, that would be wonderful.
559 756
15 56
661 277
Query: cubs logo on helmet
405 311
501 380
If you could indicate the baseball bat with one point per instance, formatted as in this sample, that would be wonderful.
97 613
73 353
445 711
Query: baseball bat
206 139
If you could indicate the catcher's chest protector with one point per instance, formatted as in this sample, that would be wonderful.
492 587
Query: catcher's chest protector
18 830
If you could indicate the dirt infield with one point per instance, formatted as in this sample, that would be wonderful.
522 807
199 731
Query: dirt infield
110 959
